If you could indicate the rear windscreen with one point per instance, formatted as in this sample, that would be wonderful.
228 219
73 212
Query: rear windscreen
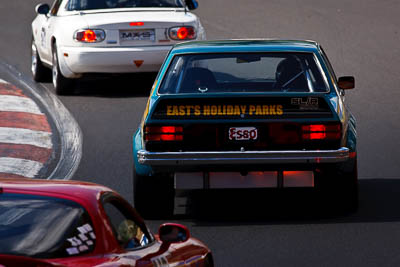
107 4
243 72
43 227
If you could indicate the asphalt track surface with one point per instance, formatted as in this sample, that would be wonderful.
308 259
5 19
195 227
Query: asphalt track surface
360 37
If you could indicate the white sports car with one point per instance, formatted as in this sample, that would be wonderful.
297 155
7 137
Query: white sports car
75 37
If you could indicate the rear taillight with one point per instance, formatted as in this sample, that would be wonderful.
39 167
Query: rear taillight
163 133
89 36
321 131
182 33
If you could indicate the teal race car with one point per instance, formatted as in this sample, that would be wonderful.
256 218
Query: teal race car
245 114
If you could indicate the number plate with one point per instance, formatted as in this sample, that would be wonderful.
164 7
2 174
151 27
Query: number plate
137 35
243 133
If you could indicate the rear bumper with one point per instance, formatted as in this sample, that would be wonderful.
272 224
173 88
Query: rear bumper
112 60
175 159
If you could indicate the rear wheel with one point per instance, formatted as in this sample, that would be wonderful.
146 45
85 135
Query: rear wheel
208 261
61 84
39 72
153 196
349 185
340 188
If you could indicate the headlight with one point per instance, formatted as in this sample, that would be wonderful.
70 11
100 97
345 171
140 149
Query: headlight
89 36
182 33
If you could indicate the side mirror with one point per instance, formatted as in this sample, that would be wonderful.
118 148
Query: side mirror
173 233
42 9
191 4
346 82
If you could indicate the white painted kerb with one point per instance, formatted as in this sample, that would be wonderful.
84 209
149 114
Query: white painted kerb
25 137
12 103
22 167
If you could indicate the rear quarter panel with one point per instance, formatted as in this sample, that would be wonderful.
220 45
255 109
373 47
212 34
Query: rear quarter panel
65 27
341 108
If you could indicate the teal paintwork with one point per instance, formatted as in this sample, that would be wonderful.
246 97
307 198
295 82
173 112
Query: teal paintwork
334 97
138 145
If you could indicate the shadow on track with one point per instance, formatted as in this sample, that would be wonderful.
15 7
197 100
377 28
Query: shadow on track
116 86
379 200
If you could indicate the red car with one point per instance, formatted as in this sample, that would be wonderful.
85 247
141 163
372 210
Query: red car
71 223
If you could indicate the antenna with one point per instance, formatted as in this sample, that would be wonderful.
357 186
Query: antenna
185 5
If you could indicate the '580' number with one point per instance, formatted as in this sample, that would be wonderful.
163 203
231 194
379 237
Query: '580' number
243 133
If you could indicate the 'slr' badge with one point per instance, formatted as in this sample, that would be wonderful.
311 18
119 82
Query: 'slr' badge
308 103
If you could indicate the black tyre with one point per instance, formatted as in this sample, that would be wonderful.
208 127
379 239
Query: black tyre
39 72
153 196
62 85
349 186
209 261
339 187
